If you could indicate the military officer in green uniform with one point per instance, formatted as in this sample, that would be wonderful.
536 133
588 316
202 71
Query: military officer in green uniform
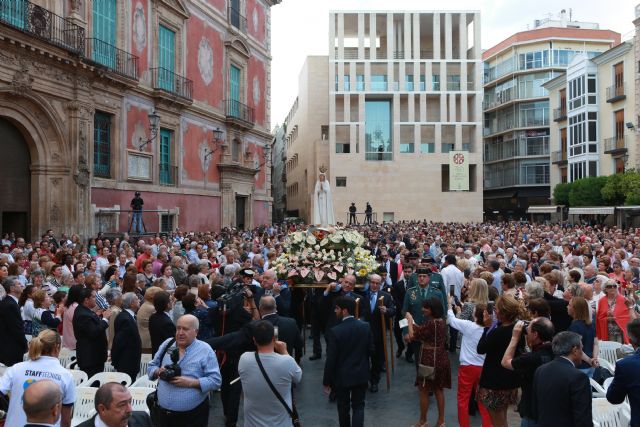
435 279
429 285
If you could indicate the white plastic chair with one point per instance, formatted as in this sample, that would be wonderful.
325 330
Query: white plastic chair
67 358
607 351
145 382
84 407
604 363
108 367
607 383
108 377
78 376
596 389
606 414
144 364
139 398
3 369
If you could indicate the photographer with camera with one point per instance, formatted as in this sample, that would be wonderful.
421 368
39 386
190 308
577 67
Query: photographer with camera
187 369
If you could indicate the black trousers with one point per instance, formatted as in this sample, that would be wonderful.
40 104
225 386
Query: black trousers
377 360
453 339
351 398
230 393
352 218
197 417
397 332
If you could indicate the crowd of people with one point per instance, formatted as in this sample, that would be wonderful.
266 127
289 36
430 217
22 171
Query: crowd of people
523 307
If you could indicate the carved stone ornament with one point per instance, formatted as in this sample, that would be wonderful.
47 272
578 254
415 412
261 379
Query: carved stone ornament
75 6
22 81
82 176
54 214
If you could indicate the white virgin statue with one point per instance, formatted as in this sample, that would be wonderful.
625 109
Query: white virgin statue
323 203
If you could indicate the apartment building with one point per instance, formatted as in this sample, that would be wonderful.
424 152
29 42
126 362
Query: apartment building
102 98
517 111
594 131
398 92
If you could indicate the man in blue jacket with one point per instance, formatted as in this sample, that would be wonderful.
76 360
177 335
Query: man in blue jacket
626 381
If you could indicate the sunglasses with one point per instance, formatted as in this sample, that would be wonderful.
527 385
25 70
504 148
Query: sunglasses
611 286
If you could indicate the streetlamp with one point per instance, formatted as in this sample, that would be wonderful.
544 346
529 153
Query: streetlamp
266 154
154 122
217 138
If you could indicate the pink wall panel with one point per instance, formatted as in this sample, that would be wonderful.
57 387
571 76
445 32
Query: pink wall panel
256 20
260 213
260 176
197 213
218 4
197 142
256 89
204 61
138 126
139 34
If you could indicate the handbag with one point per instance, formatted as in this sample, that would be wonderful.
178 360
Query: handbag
152 398
427 372
293 412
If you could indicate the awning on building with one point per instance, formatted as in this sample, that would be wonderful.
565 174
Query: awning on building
545 209
595 210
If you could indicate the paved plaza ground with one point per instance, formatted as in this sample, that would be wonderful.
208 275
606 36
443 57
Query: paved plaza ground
397 408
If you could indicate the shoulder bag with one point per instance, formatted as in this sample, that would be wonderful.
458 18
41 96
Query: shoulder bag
293 413
424 371
152 398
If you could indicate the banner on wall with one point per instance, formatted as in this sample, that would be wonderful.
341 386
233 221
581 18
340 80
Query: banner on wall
458 171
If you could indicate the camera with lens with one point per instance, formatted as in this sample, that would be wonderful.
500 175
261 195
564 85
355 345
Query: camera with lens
173 370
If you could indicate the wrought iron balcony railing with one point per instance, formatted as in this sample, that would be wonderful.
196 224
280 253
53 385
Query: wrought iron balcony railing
559 157
616 92
172 83
116 60
42 24
237 19
615 145
168 175
239 111
559 114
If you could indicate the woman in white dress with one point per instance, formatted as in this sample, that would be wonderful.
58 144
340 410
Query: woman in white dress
323 203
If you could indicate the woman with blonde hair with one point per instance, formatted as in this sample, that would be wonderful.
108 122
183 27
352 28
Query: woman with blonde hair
499 386
43 363
582 325
478 294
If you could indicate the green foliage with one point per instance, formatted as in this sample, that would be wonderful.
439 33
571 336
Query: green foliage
561 194
631 188
612 192
587 191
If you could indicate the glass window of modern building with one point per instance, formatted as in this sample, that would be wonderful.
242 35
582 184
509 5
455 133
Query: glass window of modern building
378 137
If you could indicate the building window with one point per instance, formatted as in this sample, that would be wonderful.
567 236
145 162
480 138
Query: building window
435 81
167 175
427 147
235 150
406 147
235 76
379 82
408 82
104 32
453 82
447 147
166 223
166 58
341 181
102 144
360 82
378 136
343 148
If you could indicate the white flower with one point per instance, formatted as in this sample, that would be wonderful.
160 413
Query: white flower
324 242
316 247
311 239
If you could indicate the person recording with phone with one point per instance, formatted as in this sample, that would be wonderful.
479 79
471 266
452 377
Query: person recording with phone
187 370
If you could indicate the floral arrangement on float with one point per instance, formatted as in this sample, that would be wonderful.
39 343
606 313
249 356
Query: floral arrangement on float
322 255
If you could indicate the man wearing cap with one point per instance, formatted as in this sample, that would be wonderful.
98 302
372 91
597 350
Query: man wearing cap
352 214
413 302
136 207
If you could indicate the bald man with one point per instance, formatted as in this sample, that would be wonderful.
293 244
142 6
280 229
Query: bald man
183 399
42 404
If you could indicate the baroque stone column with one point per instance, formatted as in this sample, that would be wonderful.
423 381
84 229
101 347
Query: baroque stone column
80 137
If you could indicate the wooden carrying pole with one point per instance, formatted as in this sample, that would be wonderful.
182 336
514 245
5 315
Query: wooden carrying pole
391 337
357 308
383 321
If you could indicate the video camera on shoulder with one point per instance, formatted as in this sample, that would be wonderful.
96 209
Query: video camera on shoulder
173 370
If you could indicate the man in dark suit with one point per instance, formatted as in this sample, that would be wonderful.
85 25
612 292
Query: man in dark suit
377 303
397 292
626 381
13 342
288 331
42 404
271 287
391 267
346 371
113 407
561 393
126 350
161 325
91 339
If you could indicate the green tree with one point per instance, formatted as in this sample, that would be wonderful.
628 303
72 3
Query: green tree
587 191
561 193
613 191
630 184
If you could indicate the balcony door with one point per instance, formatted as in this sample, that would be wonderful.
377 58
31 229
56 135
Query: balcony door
14 12
619 129
166 177
234 91
104 32
235 13
166 58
